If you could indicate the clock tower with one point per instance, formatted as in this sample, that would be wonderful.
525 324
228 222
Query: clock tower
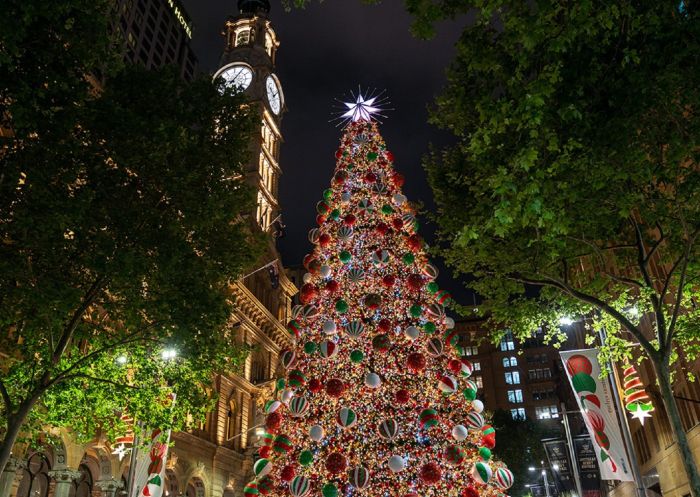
248 62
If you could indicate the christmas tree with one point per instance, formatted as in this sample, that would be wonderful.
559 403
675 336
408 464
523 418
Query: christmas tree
377 399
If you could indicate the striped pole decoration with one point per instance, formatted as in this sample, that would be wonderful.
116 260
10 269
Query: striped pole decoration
637 400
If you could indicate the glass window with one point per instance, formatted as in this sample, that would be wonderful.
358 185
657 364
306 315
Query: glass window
476 366
243 37
547 412
470 350
506 362
513 361
479 382
515 396
518 414
509 378
516 378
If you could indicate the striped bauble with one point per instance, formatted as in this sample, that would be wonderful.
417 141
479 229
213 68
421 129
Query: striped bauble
388 429
359 477
346 418
503 478
300 486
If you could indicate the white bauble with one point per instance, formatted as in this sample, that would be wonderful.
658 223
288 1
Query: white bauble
306 278
449 322
398 199
325 271
372 380
459 433
477 405
345 197
411 332
329 327
397 463
316 433
287 395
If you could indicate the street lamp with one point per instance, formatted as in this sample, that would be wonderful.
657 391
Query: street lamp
555 467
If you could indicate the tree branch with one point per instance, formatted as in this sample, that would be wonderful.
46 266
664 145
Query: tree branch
99 380
680 289
6 397
657 244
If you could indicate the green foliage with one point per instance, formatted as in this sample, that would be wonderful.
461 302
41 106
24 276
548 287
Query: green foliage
122 218
519 443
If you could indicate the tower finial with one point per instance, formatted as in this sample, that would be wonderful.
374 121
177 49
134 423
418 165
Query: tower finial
253 6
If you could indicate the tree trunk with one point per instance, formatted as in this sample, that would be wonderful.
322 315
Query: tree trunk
691 470
14 425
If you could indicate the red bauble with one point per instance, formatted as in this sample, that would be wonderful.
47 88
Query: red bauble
273 421
384 325
264 451
308 293
372 301
336 463
381 343
416 362
388 280
470 492
320 219
349 220
370 177
332 286
415 242
389 156
324 240
488 441
335 387
287 473
382 228
315 385
315 266
411 494
430 473
455 365
402 396
398 179
339 153
415 282
340 177
307 259
397 222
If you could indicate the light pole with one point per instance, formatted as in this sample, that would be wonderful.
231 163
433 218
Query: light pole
543 470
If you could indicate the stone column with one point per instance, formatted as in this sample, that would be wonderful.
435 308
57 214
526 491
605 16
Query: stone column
108 488
63 479
13 472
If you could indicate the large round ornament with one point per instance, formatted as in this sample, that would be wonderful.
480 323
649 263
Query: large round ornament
356 274
449 322
273 421
251 489
355 328
298 406
359 477
381 343
325 271
300 486
364 207
396 464
265 485
402 396
286 395
306 457
388 429
272 406
470 390
430 473
316 433
346 418
459 432
328 349
436 310
428 418
503 478
262 467
336 463
435 347
447 384
411 332
475 420
481 472
329 327
430 271
461 366
296 378
282 444
294 328
329 490
335 388
372 380
288 472
287 358
309 311
454 455
416 362
477 405
344 233
380 257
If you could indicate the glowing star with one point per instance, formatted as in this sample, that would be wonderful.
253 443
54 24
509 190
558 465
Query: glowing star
640 413
361 109
120 451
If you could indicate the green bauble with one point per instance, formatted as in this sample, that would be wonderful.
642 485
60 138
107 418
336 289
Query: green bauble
335 214
469 394
416 310
416 225
306 458
341 306
485 453
432 287
330 490
429 328
408 258
327 194
345 256
372 155
281 383
310 347
356 356
387 209
350 167
583 383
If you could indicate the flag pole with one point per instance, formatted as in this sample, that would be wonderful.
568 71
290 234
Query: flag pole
132 459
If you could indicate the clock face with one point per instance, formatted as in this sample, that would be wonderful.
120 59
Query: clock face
238 76
274 95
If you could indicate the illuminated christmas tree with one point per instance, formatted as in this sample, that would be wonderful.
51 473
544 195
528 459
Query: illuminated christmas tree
377 400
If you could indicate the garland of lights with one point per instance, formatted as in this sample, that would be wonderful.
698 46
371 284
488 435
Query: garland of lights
377 399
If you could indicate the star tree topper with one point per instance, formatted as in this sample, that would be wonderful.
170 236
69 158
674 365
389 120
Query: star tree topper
365 106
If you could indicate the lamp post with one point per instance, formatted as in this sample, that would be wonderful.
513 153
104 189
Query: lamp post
543 470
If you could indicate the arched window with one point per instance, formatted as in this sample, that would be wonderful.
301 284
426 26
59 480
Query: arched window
35 482
232 428
171 485
243 37
82 487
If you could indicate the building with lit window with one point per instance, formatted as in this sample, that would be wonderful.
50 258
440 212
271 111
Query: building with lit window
157 33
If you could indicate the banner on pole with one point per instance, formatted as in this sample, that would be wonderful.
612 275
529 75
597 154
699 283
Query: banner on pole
557 455
584 449
597 406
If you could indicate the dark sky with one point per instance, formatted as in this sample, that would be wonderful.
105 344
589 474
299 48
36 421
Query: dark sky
328 49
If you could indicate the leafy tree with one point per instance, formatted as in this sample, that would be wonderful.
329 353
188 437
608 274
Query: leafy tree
520 443
121 218
574 173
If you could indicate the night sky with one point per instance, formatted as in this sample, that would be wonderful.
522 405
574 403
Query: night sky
326 50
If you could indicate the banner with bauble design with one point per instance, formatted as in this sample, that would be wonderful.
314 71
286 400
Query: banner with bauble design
597 406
